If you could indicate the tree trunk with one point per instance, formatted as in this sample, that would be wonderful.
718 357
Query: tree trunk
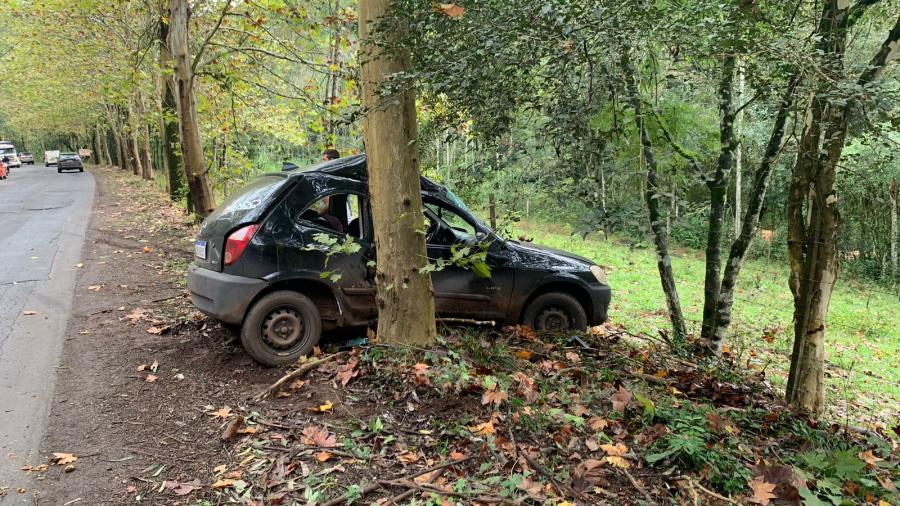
813 247
132 140
405 297
757 196
651 198
191 146
117 126
96 147
738 156
144 131
168 126
893 195
718 190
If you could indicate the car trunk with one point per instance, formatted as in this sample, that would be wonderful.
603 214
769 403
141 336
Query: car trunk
244 206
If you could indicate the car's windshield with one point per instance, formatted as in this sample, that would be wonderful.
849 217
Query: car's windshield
7 151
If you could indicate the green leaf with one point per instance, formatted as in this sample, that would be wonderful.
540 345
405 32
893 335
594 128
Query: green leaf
847 466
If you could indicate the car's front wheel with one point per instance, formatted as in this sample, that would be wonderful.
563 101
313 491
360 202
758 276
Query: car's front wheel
281 327
555 312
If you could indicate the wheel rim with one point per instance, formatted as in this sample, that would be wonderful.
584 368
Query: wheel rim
283 328
554 319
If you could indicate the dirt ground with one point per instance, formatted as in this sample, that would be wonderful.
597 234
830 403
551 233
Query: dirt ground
129 431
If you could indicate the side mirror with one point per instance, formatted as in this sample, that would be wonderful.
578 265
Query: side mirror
286 166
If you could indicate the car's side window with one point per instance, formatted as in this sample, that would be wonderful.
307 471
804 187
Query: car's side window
338 212
444 226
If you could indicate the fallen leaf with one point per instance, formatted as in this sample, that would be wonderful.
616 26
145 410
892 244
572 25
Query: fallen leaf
762 491
620 399
408 457
573 357
324 408
231 429
234 475
869 458
223 483
151 378
95 288
158 330
323 456
220 469
297 385
84 332
183 488
315 436
222 413
147 249
616 450
483 429
449 10
63 458
598 424
493 395
523 354
29 312
248 430
619 462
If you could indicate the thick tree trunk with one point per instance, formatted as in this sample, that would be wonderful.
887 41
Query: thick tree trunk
813 246
191 145
718 191
405 296
168 125
651 198
96 141
749 224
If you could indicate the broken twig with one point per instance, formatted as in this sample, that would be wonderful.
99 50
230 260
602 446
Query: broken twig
300 371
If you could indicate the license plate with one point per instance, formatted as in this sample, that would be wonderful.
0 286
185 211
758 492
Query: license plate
200 249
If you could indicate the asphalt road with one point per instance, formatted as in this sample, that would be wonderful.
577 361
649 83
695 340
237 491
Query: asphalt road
43 220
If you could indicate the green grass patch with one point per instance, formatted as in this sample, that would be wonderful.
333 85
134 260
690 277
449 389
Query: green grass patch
862 341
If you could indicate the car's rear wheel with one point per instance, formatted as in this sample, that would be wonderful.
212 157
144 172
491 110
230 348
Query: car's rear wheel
555 312
281 327
81 169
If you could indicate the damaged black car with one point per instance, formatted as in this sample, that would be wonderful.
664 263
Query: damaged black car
259 263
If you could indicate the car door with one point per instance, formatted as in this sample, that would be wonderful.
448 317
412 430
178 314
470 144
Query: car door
461 291
317 226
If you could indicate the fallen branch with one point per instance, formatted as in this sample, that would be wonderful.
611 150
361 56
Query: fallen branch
638 486
378 484
713 494
564 490
647 377
467 321
300 371
401 497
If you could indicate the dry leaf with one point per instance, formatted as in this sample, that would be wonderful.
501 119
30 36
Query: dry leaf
222 413
323 456
158 330
151 378
95 288
493 396
573 357
220 469
598 424
324 408
523 354
233 475
619 462
224 483
408 457
620 399
186 488
147 249
248 430
762 491
869 458
483 429
449 10
616 450
63 458
314 436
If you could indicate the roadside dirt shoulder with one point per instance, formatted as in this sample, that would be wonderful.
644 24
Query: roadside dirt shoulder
140 369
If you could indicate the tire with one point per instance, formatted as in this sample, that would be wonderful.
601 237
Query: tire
81 169
280 312
58 170
555 312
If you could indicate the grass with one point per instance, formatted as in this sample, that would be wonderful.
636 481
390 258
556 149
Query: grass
862 340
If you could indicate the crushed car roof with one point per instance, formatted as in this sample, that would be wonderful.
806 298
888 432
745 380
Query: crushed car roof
353 167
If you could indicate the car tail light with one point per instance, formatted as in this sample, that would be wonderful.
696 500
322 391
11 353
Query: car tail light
237 242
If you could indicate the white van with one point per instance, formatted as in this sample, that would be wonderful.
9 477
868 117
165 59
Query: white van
51 157
8 151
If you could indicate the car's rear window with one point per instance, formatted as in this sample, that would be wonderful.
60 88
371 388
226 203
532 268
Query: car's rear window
250 197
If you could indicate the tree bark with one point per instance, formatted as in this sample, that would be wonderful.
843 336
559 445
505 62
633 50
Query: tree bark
131 133
741 245
191 145
892 190
651 198
813 247
118 127
168 121
405 296
144 131
718 191
738 156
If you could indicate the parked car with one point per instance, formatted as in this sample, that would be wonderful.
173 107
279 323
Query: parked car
26 157
254 264
9 156
69 161
51 157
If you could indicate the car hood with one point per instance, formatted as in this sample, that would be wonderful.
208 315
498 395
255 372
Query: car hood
544 257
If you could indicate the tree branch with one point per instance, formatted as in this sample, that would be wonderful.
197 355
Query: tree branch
209 37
